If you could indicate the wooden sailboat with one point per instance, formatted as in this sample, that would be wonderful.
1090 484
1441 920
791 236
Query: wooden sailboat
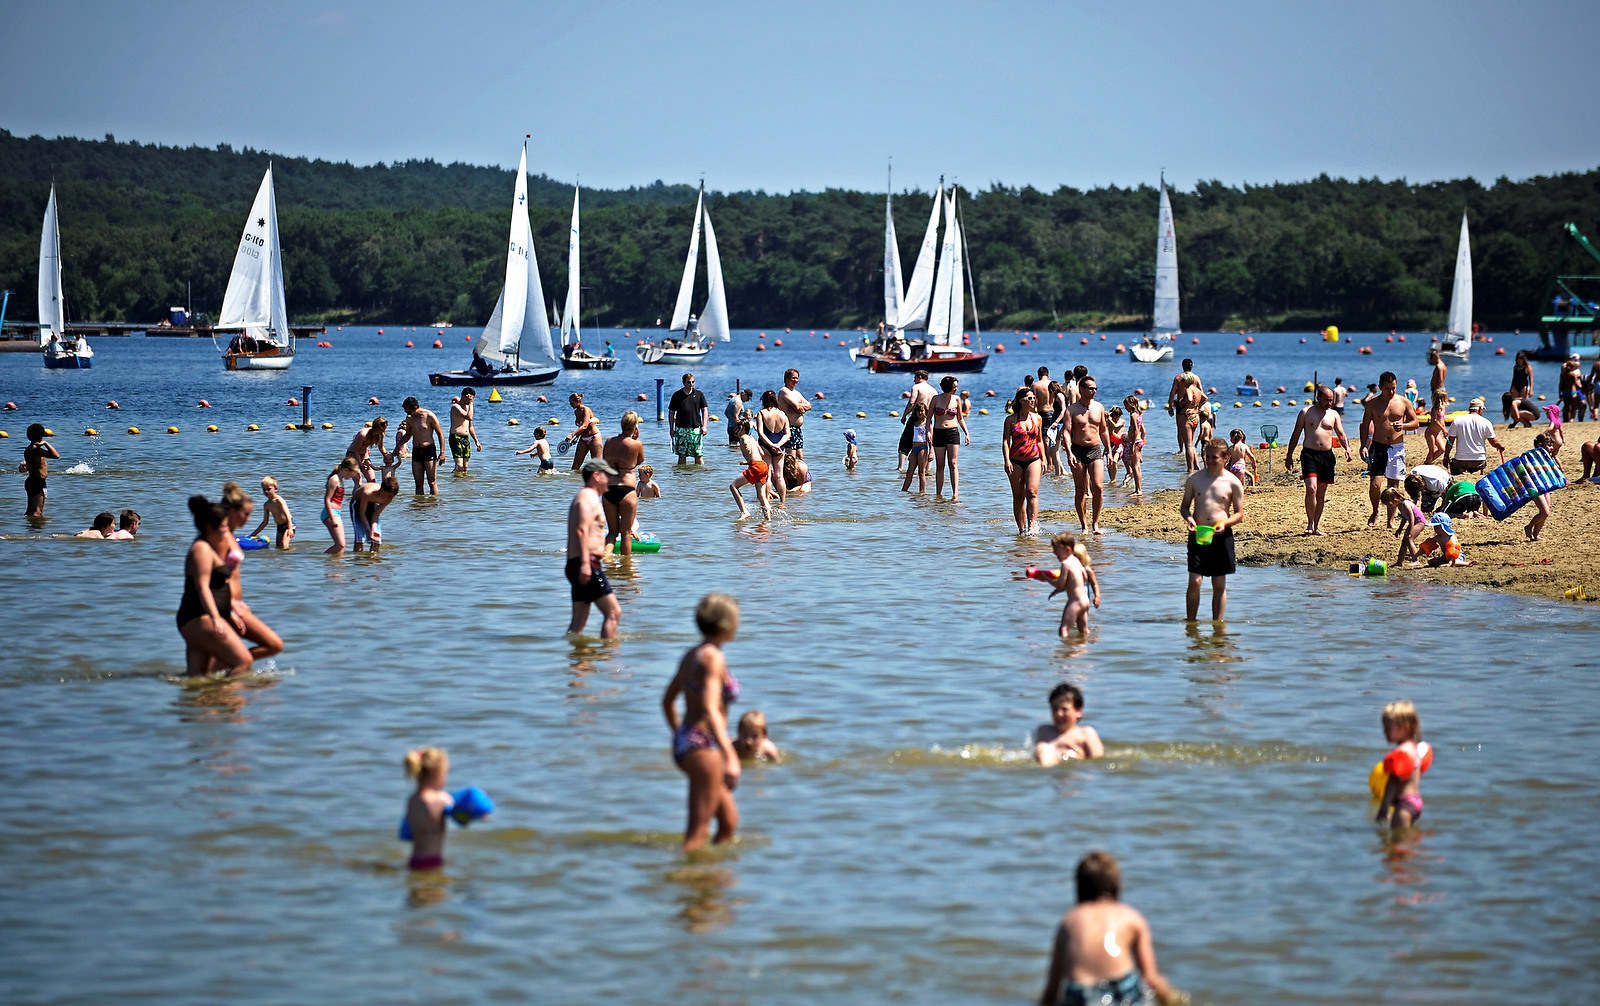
253 308
712 326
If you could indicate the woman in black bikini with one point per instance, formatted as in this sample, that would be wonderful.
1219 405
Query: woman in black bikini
621 502
949 429
206 620
1021 444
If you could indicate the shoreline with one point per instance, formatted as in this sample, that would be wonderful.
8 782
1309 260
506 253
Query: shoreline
1272 532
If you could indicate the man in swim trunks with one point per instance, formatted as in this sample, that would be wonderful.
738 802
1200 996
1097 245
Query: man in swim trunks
36 463
1321 425
1089 430
1384 423
687 417
586 548
1176 404
463 435
422 428
1213 497
1340 392
367 504
795 406
921 391
1045 396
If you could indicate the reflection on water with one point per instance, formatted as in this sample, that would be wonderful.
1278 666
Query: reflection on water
704 901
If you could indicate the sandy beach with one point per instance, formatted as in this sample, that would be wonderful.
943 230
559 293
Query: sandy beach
1566 556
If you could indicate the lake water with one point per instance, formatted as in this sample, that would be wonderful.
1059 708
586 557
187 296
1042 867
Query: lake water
202 843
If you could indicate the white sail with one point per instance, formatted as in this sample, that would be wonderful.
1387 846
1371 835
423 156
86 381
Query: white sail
914 308
680 311
52 319
714 318
254 300
518 327
1165 314
893 290
944 321
1461 294
569 317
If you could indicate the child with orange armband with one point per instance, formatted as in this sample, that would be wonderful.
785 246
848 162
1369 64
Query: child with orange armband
1443 549
1404 764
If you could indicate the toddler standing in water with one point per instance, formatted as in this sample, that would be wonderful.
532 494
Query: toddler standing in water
1133 444
1075 578
649 488
753 741
426 809
1103 952
850 450
275 509
1064 737
1404 764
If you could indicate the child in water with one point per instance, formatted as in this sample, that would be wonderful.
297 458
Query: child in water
1239 453
36 459
1133 444
850 450
276 509
1103 952
426 809
1064 738
1075 578
649 488
753 742
756 473
540 449
1404 764
917 458
1117 429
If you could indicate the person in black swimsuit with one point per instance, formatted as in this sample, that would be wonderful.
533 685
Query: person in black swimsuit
211 629
620 501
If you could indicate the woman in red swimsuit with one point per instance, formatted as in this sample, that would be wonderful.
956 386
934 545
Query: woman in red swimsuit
1021 442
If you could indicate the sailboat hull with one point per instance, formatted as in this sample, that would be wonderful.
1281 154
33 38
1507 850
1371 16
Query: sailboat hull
70 362
585 361
1149 354
271 358
951 363
677 356
506 378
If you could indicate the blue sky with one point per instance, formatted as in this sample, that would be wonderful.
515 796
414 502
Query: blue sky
818 94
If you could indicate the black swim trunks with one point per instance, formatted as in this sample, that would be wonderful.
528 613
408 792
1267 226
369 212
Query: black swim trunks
1088 454
33 485
425 454
948 436
592 591
1215 559
1317 465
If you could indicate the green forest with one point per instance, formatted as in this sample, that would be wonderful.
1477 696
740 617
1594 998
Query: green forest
413 242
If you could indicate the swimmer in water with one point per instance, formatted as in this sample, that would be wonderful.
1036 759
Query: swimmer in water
426 809
753 742
236 508
540 449
102 527
212 631
700 743
36 459
127 526
277 509
649 488
1103 952
1064 738
1402 794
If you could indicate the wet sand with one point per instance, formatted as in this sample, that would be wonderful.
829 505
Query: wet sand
1566 556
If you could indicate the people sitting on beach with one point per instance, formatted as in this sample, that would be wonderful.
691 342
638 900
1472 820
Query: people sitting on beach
1064 738
753 744
103 526
1103 951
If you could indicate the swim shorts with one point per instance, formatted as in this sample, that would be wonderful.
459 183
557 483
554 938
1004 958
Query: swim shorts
33 485
1215 559
460 445
425 454
756 473
948 436
1124 991
797 442
546 465
1387 461
686 442
1317 465
1088 454
592 591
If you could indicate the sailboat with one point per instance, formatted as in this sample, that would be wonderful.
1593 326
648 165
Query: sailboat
573 355
1457 342
934 301
518 330
713 324
1156 347
253 305
61 351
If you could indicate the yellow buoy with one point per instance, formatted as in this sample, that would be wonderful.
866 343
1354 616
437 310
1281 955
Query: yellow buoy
715 419
211 429
1238 405
327 426
172 429
49 432
983 412
1377 780
1310 386
1541 398
367 424
494 395
1453 398
133 429
552 421
1256 403
827 415
4 435
1293 402
253 428
861 415
290 426
91 432
893 414
513 421
1276 403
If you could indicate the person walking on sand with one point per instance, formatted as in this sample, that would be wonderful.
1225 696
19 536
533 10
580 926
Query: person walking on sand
624 453
422 428
1213 502
1090 431
586 548
1384 423
36 459
688 415
795 406
1468 436
463 434
1322 427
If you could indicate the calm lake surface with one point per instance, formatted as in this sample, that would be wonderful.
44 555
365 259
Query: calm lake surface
203 843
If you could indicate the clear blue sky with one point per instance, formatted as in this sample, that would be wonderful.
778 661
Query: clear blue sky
817 94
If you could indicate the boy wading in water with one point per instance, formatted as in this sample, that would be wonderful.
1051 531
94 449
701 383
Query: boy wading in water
1103 954
36 462
1213 501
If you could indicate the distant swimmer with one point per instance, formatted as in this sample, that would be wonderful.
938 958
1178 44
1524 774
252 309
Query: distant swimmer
127 526
463 434
212 631
586 547
1213 502
36 459
422 428
753 744
236 509
367 504
276 509
1064 737
701 746
1103 952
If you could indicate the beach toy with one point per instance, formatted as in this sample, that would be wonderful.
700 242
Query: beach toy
250 544
1400 764
646 543
564 447
1377 779
1042 575
1521 479
1246 390
1376 567
1203 534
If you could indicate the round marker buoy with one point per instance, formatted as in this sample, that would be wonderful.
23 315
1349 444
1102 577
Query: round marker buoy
861 415
513 422
91 432
202 404
438 344
133 430
983 412
408 344
641 397
543 398
327 426
372 401
292 401
211 429
172 429
819 396
253 428
11 406
827 415
113 405
1250 339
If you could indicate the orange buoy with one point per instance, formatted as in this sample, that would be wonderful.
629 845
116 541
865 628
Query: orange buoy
640 397
408 343
1401 338
202 404
761 347
543 399
373 400
1102 338
1500 351
467 337
11 406
1083 341
818 396
989 393
1138 391
292 401
1250 339
777 342
1194 341
1241 351
1282 389
438 344
1121 348
113 405
380 331
1388 338
1211 391
999 347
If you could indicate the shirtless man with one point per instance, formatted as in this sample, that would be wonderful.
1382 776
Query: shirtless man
36 463
921 391
422 428
1340 392
586 547
1384 423
624 453
1214 497
795 406
1174 402
463 433
1437 376
1321 425
1046 398
772 433
367 504
1090 431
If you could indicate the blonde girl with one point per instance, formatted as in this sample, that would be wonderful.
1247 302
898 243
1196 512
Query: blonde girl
917 457
753 742
701 746
1404 764
1076 579
426 808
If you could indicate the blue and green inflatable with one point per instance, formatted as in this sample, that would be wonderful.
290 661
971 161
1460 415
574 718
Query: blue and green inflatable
1519 481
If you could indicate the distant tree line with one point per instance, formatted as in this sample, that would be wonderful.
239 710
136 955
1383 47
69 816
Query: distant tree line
419 241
